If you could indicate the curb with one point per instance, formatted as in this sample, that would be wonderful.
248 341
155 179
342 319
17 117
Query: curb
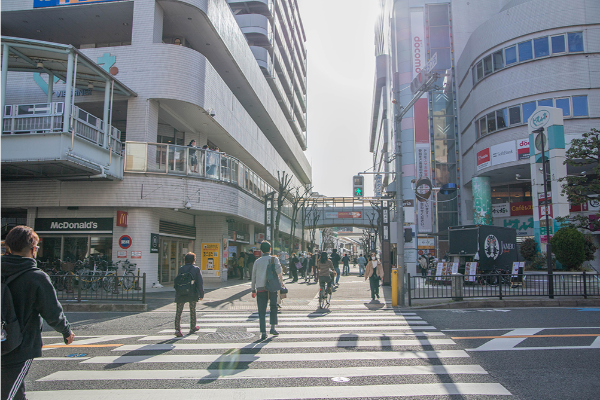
83 307
512 304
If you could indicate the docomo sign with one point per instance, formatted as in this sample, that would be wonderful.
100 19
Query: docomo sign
417 45
483 159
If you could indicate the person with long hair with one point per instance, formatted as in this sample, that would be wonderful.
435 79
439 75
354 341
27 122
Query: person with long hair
326 271
374 272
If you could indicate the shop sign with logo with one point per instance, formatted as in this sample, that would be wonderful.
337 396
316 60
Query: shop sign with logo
122 218
211 261
523 149
521 208
426 243
483 159
54 3
154 242
73 225
523 224
503 153
125 242
501 210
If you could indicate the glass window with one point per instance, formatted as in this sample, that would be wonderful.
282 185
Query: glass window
528 109
541 47
438 15
480 70
580 106
500 194
545 103
510 55
575 41
474 73
439 36
101 247
75 249
515 115
498 60
491 122
49 248
482 127
444 59
558 44
525 51
502 118
565 105
487 65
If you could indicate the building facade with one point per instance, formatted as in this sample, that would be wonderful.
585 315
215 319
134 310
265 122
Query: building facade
498 62
118 177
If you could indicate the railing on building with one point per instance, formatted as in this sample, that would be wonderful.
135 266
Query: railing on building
44 118
502 285
198 163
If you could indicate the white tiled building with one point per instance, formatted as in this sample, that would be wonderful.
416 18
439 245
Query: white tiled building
227 74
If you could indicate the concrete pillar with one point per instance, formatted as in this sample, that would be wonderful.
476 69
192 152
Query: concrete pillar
147 24
50 87
68 93
4 80
105 114
482 200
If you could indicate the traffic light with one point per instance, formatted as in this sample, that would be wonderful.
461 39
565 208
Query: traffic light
358 189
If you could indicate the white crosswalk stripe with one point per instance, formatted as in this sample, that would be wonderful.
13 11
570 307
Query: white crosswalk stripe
401 350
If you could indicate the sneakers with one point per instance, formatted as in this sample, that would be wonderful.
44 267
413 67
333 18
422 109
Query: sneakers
274 332
178 334
194 329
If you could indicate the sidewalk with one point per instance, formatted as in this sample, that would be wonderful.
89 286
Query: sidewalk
353 293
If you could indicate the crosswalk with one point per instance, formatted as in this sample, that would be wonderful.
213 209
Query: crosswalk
344 355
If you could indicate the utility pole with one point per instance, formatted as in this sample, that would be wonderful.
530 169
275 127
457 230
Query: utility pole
400 112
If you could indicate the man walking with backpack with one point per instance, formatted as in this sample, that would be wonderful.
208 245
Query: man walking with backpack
189 288
262 290
27 295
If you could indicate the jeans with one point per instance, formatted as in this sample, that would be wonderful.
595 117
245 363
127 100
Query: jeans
346 269
262 299
337 271
361 269
179 311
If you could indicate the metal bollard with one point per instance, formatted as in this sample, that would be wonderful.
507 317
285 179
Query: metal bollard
395 287
457 286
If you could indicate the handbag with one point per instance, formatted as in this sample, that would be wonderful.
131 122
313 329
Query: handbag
283 290
273 283
298 265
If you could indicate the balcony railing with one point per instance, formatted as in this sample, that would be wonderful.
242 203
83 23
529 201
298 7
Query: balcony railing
48 118
189 161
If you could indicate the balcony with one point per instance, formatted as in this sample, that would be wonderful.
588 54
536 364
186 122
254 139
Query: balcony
256 28
168 159
35 144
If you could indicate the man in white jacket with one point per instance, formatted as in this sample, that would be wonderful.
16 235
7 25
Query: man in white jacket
260 292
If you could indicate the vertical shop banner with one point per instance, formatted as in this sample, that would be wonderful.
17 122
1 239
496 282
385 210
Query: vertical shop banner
417 30
423 164
483 159
154 242
211 259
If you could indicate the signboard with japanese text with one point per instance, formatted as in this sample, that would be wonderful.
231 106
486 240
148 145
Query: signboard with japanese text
523 148
343 214
136 254
424 208
121 253
500 210
521 208
483 159
523 224
211 259
54 3
470 271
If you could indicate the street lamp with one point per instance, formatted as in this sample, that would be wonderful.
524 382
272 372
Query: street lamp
539 140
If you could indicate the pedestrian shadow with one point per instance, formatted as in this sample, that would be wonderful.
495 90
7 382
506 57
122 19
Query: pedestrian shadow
343 340
374 305
117 364
319 314
227 301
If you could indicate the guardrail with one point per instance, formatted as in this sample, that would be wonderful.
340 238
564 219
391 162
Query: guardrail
99 287
458 286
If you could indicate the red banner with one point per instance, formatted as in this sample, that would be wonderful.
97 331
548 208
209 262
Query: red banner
483 159
122 218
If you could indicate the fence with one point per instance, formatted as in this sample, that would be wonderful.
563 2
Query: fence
92 287
459 286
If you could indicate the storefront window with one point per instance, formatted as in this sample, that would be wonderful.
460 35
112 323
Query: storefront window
101 247
500 195
75 248
49 248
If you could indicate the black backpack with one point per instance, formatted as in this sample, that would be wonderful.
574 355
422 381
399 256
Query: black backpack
184 284
11 328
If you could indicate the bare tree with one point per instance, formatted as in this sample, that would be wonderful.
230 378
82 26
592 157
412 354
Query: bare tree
283 190
328 238
313 215
376 220
298 200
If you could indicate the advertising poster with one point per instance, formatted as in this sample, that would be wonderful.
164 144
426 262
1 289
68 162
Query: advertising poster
211 259
470 271
454 268
515 268
440 270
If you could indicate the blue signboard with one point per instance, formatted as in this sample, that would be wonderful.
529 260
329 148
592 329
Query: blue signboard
54 3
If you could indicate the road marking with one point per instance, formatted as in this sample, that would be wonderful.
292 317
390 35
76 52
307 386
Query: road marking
510 340
349 330
311 392
274 344
371 315
62 358
527 336
279 357
512 329
323 335
310 323
324 317
262 373
53 346
166 337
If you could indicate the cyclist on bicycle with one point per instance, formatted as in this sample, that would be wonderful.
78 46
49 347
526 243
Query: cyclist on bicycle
326 271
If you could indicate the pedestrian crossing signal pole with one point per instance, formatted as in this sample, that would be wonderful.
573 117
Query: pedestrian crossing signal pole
358 186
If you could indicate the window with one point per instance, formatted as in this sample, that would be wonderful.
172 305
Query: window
575 41
510 55
491 122
487 65
502 118
482 127
580 106
565 105
541 47
515 115
439 36
545 103
525 51
480 70
498 60
528 109
438 15
558 44
474 73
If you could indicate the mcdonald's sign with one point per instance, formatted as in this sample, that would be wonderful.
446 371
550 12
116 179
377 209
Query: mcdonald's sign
122 218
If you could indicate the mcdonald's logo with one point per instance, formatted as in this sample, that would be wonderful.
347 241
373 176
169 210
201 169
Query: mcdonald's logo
122 218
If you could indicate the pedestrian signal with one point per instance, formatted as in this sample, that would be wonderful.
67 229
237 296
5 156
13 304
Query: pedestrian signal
358 189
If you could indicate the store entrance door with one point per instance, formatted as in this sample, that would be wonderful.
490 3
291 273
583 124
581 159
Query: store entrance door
172 252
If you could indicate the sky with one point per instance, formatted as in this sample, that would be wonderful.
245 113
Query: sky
341 70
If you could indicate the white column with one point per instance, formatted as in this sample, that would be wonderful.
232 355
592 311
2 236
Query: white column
4 79
50 87
105 115
68 93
